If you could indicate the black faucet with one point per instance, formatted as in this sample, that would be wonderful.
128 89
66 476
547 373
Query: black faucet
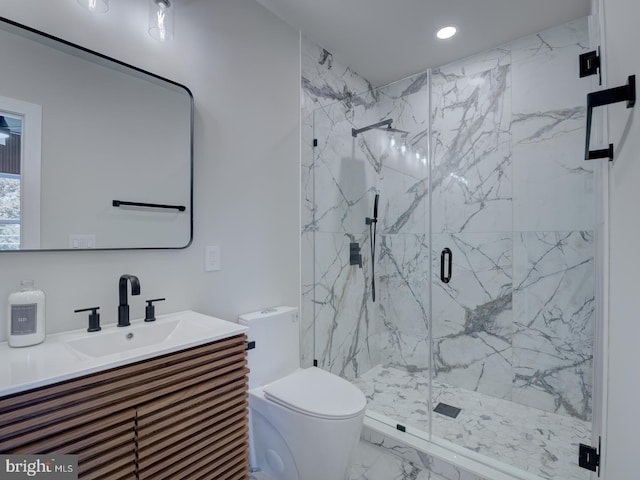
123 307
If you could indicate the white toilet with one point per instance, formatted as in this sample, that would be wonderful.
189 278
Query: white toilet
304 423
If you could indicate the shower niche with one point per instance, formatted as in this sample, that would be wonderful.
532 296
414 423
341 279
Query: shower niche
481 336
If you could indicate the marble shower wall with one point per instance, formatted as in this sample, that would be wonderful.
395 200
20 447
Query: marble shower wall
511 197
340 178
339 324
554 286
403 253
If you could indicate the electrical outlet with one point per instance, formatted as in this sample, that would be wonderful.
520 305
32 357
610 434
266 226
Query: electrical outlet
82 241
212 258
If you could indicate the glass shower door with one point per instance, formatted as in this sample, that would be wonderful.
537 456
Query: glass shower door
382 345
344 186
512 200
399 386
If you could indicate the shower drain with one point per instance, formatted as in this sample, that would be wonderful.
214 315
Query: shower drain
448 410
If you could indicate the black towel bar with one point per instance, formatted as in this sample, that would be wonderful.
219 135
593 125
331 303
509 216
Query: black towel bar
117 203
607 97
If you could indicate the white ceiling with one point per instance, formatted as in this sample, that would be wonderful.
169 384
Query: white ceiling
386 40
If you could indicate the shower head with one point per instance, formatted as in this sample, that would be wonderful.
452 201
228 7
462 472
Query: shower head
389 129
384 125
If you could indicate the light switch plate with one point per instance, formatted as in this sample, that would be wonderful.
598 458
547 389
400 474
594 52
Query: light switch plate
212 258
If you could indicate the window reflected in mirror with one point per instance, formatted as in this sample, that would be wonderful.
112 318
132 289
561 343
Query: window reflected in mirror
10 180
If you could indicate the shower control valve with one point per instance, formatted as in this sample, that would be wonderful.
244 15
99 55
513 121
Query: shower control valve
355 257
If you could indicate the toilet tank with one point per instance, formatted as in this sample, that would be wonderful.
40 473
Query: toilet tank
276 333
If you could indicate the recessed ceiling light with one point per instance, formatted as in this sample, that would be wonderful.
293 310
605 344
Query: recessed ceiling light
446 32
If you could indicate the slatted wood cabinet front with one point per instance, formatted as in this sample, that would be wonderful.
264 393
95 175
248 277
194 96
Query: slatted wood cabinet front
178 416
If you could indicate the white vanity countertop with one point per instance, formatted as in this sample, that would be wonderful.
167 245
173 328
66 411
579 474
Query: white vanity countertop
67 355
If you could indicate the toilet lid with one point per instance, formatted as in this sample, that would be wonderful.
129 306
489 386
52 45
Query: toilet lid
314 392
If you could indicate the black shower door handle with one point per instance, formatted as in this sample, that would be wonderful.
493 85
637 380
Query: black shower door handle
446 253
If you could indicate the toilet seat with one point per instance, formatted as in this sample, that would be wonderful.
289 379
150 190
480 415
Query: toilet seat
317 393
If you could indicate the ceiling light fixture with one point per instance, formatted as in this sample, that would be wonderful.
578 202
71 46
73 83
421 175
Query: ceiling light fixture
95 6
161 19
446 32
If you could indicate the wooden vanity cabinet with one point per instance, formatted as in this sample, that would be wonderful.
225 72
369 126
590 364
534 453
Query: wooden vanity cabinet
178 416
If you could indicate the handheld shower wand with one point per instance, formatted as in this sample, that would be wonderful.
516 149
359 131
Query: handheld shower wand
372 222
375 207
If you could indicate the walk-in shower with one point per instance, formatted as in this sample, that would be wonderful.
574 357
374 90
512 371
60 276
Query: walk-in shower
480 338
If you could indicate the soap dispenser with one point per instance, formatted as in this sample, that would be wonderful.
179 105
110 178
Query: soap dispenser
25 316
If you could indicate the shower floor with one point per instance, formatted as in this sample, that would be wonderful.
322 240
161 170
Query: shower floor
542 443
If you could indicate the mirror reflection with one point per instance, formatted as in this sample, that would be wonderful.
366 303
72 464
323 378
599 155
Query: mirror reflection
10 136
93 153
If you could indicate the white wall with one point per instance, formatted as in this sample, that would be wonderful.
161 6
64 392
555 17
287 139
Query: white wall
622 39
242 65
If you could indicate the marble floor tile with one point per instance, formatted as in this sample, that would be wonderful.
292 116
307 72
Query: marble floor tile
539 442
373 463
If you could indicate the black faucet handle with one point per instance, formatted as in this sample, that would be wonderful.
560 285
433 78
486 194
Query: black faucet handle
94 318
150 310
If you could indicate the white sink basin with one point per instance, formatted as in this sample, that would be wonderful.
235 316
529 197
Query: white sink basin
141 337
124 339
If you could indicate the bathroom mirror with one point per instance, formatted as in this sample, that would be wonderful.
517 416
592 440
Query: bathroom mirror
94 153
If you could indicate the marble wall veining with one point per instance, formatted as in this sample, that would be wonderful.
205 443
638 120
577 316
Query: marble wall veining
515 204
404 250
341 176
338 320
506 190
553 300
